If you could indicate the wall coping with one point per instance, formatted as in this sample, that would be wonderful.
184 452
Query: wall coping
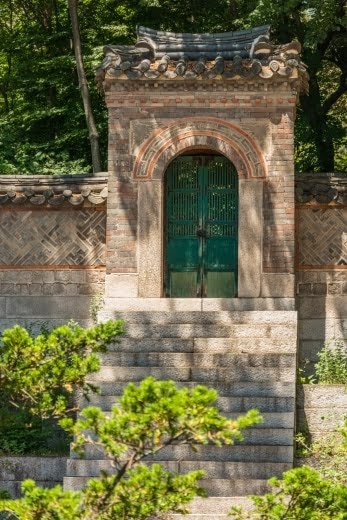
322 188
53 191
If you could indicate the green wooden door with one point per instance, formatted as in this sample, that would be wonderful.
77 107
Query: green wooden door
201 227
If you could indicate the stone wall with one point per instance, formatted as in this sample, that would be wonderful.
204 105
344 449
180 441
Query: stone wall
53 238
52 256
320 409
46 471
321 262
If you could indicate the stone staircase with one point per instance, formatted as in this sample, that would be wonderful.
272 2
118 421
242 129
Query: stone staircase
249 357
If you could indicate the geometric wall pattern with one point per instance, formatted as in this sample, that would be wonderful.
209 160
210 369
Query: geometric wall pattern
322 236
48 237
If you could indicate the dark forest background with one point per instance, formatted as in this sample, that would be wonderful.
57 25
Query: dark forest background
42 121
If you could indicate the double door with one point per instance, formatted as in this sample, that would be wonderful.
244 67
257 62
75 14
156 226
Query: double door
201 227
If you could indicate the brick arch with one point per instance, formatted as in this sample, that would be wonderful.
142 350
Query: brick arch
210 133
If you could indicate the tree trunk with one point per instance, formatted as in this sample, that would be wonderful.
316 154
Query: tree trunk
317 119
93 133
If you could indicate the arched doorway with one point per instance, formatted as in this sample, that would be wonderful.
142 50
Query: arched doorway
201 227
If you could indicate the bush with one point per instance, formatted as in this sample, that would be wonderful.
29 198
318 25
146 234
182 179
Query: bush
39 374
331 367
328 455
302 494
150 416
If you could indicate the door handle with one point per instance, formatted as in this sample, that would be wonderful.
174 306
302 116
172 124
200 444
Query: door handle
201 232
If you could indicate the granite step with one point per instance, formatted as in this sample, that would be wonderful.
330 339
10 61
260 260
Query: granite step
208 330
203 360
238 404
226 390
206 376
211 345
214 487
237 453
213 470
205 317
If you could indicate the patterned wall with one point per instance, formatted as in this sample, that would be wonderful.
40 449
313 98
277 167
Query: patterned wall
47 237
321 236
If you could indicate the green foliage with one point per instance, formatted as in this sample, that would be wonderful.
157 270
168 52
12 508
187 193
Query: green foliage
40 373
42 504
302 494
331 367
328 455
42 124
95 305
153 414
149 417
22 433
4 495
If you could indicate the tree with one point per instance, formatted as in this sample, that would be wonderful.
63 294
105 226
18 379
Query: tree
42 123
149 417
320 26
93 132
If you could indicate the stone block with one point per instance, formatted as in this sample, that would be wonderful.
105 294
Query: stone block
237 487
150 240
212 375
236 470
36 468
187 331
250 238
276 411
245 345
308 351
316 329
145 359
321 396
281 285
213 506
137 373
2 305
320 419
153 345
268 436
322 307
46 307
234 453
214 317
114 305
121 285
341 329
248 304
48 276
268 394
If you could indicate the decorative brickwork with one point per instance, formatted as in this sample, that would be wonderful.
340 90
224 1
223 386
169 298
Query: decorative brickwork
200 132
48 238
322 237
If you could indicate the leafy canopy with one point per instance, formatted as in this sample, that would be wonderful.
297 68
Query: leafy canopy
42 125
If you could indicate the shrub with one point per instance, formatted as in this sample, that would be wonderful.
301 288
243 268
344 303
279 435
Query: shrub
150 416
302 494
40 374
331 367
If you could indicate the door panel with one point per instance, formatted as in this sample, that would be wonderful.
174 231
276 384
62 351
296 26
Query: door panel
201 227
